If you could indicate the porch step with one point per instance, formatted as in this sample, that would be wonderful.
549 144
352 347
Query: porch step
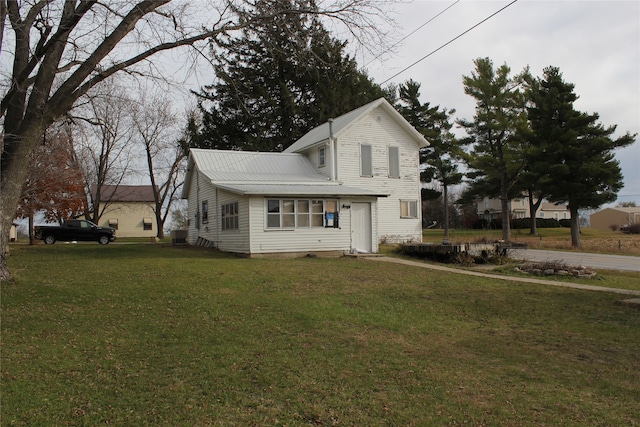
204 243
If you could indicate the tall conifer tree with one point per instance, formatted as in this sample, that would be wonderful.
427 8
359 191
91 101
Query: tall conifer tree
572 153
438 160
497 134
278 80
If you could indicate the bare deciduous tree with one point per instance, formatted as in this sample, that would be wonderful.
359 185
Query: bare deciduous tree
156 128
62 49
104 145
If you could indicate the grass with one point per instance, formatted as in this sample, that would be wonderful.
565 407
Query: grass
155 335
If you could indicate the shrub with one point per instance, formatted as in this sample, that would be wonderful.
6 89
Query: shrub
565 223
631 229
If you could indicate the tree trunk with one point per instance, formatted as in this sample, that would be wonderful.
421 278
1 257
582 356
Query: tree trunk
30 231
506 226
533 209
445 194
5 274
159 223
13 173
575 228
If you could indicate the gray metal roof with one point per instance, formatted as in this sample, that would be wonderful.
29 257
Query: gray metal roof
304 190
254 166
258 173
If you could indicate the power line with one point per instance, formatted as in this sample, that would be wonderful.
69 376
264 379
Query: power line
412 33
449 42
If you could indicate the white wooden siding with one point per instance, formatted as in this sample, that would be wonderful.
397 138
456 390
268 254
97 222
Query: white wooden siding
233 240
380 131
199 191
313 239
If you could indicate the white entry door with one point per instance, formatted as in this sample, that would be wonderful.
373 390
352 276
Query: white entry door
361 227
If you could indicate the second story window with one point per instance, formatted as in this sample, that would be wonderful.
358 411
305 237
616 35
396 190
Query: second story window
321 156
366 161
394 162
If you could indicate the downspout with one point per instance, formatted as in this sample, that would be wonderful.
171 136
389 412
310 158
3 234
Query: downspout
331 151
218 220
197 218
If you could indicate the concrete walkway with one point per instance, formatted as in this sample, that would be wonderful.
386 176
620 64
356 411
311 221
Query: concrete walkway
509 278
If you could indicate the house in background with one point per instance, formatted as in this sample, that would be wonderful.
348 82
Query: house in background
13 232
614 218
343 187
128 209
490 209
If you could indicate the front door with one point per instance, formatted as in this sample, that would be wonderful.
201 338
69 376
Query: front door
361 227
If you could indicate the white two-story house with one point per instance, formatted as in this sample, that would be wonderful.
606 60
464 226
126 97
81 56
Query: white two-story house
344 187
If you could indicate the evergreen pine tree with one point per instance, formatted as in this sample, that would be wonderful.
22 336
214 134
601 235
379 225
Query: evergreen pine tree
438 160
283 77
497 133
572 153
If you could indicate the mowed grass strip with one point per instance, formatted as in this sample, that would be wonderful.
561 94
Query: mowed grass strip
155 335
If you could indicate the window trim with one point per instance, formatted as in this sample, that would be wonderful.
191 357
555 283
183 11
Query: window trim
369 167
410 204
205 212
395 162
322 156
316 219
229 216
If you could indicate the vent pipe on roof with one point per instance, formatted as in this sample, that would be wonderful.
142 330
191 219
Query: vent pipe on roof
331 152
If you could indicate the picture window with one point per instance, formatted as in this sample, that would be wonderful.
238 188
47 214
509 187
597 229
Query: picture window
298 213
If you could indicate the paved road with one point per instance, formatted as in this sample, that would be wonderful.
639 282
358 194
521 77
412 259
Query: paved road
527 279
601 261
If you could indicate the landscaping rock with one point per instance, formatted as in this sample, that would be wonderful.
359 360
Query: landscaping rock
556 268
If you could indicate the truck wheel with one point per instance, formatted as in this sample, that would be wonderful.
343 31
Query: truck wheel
103 240
49 240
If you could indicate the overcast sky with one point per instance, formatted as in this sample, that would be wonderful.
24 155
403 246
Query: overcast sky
596 45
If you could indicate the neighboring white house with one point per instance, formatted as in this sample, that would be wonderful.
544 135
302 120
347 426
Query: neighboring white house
128 209
343 187
490 209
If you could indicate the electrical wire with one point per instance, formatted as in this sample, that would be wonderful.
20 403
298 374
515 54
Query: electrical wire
448 43
412 33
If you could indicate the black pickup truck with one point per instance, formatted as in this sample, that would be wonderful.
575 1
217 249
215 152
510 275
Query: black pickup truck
75 230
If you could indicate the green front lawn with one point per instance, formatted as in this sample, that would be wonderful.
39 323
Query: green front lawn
134 335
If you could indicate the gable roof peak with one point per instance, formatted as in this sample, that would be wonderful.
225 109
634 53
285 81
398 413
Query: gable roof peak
345 121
